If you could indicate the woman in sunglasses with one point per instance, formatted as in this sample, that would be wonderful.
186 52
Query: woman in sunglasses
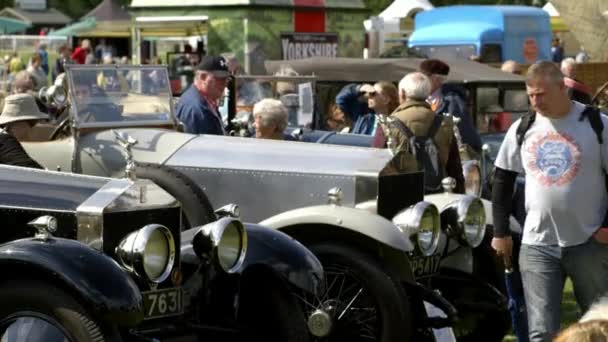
381 98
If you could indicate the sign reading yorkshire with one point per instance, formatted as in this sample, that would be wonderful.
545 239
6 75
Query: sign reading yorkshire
296 45
588 20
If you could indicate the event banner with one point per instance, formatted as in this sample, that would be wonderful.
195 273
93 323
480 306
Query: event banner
298 45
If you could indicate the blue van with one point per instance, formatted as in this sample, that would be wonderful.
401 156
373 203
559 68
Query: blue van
492 33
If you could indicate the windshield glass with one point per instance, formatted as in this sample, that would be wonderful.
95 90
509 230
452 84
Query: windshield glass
447 52
130 95
498 108
296 94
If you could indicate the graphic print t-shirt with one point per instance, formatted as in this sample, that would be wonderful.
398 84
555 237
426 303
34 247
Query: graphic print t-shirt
563 163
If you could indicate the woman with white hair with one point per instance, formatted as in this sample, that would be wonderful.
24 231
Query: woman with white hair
270 119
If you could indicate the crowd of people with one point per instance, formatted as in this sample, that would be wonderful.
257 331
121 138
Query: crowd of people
559 155
560 152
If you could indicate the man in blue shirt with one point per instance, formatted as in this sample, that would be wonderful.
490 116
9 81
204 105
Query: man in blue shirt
197 108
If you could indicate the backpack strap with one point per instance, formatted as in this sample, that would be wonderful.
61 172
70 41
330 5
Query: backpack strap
524 125
595 120
437 120
404 129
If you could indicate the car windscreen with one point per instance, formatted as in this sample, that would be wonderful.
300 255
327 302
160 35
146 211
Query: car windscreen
296 94
499 108
447 51
129 95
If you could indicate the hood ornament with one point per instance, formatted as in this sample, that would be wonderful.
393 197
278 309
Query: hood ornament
126 142
45 226
386 122
335 196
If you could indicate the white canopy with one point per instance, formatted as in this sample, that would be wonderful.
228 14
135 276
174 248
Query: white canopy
405 8
549 8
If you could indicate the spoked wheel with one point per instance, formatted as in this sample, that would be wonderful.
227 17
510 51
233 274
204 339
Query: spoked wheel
359 302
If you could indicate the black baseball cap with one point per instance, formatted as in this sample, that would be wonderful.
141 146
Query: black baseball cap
216 65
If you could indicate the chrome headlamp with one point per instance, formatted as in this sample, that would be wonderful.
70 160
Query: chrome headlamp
422 222
148 252
54 95
468 218
224 241
472 177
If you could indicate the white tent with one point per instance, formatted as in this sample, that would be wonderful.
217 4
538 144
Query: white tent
387 23
549 8
405 8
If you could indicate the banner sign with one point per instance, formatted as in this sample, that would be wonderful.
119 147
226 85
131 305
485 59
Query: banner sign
297 45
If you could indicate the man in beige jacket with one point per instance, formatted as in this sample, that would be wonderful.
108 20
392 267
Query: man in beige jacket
418 117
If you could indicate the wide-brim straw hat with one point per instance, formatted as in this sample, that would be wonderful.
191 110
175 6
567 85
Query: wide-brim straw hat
20 107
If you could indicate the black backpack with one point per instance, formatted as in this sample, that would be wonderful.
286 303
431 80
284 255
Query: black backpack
591 113
426 152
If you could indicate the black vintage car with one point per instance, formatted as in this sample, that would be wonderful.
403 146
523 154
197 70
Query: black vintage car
97 259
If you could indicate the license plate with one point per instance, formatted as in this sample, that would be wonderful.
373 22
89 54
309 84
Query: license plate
425 266
162 303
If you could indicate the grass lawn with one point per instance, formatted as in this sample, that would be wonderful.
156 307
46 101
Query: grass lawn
569 311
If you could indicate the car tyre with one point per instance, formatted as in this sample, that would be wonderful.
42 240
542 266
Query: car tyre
269 312
196 207
35 298
389 300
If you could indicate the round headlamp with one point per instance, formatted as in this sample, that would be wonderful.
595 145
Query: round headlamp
224 241
148 252
421 223
471 220
472 177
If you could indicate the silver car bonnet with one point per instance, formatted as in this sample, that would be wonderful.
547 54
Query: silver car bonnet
267 177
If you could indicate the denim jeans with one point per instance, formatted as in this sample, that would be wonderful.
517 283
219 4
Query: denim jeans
544 270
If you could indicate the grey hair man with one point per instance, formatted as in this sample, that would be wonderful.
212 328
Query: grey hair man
23 83
566 201
414 86
511 67
417 116
577 91
270 119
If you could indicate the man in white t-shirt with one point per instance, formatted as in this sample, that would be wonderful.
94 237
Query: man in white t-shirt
566 201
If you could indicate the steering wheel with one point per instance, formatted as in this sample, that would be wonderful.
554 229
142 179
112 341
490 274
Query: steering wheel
60 128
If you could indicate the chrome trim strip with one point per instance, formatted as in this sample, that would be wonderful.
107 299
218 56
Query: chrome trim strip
89 214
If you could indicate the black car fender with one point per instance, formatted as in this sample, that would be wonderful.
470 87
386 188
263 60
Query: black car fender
272 250
285 256
93 278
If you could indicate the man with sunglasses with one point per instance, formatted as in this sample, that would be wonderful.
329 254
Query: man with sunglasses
197 108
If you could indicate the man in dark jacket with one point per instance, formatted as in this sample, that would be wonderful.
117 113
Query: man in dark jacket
197 108
450 99
416 113
352 102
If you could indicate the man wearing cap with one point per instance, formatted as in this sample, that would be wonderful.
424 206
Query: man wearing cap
449 99
197 108
19 115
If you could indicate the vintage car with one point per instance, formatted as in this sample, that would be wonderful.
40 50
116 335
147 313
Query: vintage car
309 98
364 220
99 259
